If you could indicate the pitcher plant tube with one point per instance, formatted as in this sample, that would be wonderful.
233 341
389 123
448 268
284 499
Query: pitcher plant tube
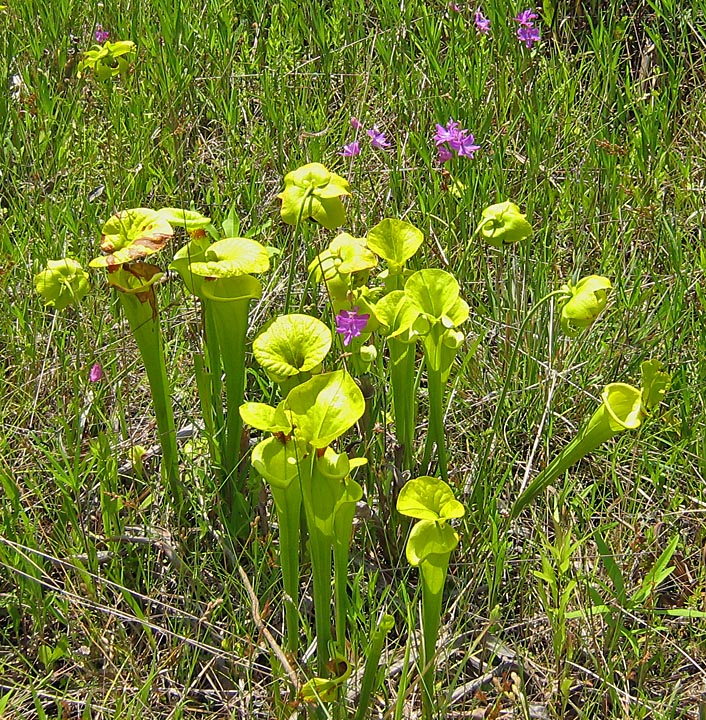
429 308
623 407
126 239
135 284
281 461
396 316
429 546
219 275
434 296
311 417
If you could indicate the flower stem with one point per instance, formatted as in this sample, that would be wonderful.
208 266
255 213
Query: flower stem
293 255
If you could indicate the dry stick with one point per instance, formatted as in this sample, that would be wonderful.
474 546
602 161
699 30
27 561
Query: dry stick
469 689
276 649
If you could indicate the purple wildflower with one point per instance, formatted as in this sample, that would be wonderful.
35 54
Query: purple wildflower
377 138
351 150
101 35
451 139
528 34
356 124
444 154
526 17
446 134
482 22
96 373
454 7
466 146
350 324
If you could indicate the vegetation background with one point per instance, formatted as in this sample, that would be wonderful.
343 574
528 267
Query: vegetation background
598 133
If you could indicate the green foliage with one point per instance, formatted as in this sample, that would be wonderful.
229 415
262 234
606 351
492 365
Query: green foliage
427 498
108 60
585 302
63 283
132 235
429 546
292 345
596 134
395 241
311 191
503 224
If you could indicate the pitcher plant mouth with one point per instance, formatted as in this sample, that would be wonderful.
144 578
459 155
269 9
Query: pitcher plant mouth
624 405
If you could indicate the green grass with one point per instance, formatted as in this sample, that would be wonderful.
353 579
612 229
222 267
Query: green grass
109 610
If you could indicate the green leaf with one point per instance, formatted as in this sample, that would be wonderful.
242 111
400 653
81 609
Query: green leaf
292 344
429 498
684 612
429 538
188 219
396 313
325 406
396 241
232 257
659 572
132 235
136 279
612 568
655 383
436 294
333 465
242 287
326 689
193 251
265 417
64 282
278 461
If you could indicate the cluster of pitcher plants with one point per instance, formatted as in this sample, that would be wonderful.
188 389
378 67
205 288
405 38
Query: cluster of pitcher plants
405 323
